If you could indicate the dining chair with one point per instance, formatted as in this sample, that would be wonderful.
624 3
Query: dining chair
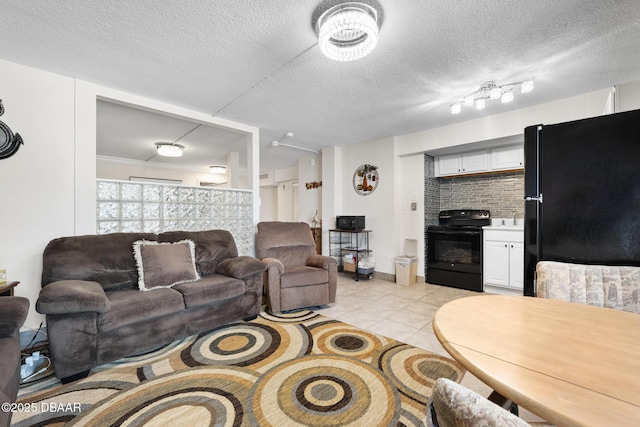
610 286
453 405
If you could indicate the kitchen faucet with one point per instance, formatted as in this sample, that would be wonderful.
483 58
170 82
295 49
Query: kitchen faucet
514 218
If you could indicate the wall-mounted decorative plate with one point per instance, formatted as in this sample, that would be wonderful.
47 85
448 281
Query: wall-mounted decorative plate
9 143
365 179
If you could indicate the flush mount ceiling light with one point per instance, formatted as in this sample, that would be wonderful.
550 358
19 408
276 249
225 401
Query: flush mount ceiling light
219 169
348 31
491 90
169 149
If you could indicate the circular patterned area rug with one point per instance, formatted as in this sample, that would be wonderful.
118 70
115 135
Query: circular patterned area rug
325 390
299 369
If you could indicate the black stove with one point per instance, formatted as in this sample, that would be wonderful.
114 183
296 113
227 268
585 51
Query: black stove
454 255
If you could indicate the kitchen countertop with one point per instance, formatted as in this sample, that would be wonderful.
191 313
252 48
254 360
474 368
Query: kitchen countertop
505 224
504 227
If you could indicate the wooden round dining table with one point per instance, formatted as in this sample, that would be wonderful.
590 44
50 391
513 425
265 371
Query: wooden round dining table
571 364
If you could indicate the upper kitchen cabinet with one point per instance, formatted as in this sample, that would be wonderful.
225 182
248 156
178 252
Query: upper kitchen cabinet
457 164
506 158
489 160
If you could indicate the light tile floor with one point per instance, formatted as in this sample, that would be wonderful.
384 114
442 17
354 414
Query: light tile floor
400 312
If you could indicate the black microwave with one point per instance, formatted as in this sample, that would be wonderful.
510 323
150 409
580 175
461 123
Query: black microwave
350 222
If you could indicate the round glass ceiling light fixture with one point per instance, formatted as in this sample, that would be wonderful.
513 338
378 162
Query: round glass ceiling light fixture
348 31
169 149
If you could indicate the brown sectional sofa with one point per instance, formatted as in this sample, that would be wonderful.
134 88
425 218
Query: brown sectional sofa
96 313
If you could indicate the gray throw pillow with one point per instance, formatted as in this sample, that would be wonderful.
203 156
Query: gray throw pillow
163 265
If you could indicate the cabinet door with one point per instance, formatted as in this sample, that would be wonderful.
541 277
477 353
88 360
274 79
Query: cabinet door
516 265
449 165
505 158
474 161
496 263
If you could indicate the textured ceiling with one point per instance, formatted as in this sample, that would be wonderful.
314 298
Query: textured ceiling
257 62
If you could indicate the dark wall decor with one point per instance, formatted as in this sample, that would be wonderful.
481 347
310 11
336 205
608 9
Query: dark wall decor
9 143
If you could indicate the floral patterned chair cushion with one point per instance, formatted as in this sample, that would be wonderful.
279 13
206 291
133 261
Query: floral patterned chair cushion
616 287
457 406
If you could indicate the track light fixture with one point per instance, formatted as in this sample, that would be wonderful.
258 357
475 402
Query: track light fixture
491 90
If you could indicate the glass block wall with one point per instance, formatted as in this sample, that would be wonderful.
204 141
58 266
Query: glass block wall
125 206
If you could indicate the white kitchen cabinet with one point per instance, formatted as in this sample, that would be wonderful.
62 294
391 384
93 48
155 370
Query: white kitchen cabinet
516 265
503 258
449 165
475 161
505 158
460 164
496 263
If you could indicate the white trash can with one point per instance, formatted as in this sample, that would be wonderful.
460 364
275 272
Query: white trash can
407 265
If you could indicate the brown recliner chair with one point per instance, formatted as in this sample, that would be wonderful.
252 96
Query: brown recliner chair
296 275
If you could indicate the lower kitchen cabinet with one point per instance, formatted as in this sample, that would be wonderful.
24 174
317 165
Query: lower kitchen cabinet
503 260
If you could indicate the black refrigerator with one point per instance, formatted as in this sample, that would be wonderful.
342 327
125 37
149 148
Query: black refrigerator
582 192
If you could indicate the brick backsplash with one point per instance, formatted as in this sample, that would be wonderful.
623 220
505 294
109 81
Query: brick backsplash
431 192
501 193
431 200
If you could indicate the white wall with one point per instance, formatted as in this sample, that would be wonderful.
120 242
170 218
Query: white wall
309 201
122 170
84 158
283 180
378 207
409 189
332 192
627 96
268 204
38 182
505 124
285 200
289 194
